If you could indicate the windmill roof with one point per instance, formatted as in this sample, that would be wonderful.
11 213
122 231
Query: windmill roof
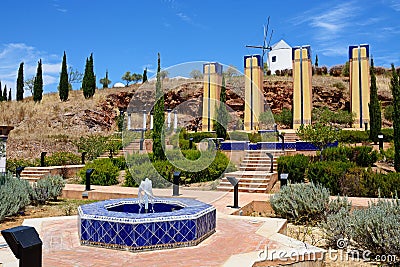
280 45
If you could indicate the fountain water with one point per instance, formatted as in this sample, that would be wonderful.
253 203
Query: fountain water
145 195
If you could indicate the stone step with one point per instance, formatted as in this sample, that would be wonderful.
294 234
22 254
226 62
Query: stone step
249 179
246 184
243 189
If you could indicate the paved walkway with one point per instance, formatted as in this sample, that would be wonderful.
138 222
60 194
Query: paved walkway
237 242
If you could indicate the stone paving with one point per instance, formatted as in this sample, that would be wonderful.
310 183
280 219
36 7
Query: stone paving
237 241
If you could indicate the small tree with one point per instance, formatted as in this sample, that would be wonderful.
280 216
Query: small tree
20 82
136 77
231 71
38 84
127 77
144 76
63 85
375 114
164 74
196 74
346 69
9 95
285 117
316 61
105 81
29 83
395 86
74 76
318 134
158 145
222 115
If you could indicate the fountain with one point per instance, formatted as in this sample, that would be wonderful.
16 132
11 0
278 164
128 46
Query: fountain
146 222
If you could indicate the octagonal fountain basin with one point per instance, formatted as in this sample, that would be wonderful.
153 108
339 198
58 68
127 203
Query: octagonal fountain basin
124 223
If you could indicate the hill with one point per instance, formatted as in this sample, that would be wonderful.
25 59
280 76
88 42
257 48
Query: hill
52 125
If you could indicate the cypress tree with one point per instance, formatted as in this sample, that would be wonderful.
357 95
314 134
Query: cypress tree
1 94
20 82
158 125
375 115
89 79
38 84
144 75
64 85
222 115
316 61
4 92
9 95
395 86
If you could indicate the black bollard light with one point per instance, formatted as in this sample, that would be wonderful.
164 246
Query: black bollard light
177 178
282 137
18 171
26 245
284 178
366 126
42 157
83 157
380 137
235 183
195 128
271 157
141 144
190 142
88 174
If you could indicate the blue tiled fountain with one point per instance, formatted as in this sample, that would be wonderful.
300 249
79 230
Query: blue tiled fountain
146 223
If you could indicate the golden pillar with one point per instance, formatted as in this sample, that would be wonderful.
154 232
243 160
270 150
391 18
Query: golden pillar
359 84
212 77
302 89
254 97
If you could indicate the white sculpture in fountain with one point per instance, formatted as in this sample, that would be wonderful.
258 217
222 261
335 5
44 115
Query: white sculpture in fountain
145 195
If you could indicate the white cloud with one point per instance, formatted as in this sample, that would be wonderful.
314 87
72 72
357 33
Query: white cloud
12 54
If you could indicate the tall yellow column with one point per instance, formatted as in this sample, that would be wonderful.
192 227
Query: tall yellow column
254 97
359 84
212 73
302 89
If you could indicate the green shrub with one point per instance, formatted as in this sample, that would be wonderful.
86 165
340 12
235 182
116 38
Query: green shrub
48 188
377 228
353 182
388 134
339 85
351 137
295 166
197 137
15 194
62 158
336 227
105 173
94 145
325 116
12 164
328 173
340 153
158 172
238 136
381 185
388 154
364 156
306 203
119 162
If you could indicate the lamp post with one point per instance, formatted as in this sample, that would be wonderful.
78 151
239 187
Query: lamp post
129 121
380 137
143 129
284 177
169 118
235 183
175 120
271 157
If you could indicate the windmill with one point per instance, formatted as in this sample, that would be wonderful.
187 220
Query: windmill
266 46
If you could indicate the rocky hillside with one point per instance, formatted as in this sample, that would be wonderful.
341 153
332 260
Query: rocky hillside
53 125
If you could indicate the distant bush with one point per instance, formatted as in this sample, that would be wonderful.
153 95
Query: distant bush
339 85
388 112
62 158
295 166
48 188
238 136
93 145
105 173
351 137
306 203
12 164
284 118
326 116
15 194
340 153
328 173
197 137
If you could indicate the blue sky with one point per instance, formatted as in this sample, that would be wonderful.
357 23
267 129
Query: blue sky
126 35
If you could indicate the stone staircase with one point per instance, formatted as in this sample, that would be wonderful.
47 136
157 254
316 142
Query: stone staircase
33 174
291 136
254 172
